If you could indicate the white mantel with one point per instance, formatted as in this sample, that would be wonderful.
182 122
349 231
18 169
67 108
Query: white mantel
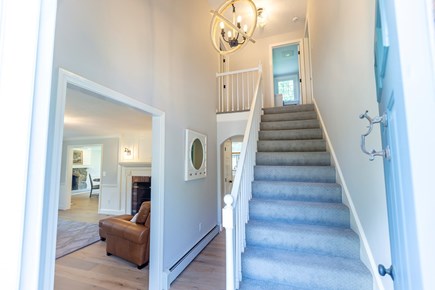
127 170
136 164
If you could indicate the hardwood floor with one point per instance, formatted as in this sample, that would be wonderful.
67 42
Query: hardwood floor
90 268
83 209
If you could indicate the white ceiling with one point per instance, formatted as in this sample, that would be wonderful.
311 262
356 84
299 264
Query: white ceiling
88 115
280 14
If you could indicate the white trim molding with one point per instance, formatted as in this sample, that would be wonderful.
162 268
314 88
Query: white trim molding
301 63
66 78
27 31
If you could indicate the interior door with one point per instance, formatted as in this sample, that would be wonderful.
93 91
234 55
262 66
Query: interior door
390 95
286 74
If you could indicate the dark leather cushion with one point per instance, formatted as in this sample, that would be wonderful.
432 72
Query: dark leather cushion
143 212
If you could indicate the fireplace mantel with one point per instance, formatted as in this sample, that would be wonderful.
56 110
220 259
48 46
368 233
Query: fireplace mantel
128 170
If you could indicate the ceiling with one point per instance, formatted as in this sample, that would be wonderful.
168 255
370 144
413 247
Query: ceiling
280 15
88 115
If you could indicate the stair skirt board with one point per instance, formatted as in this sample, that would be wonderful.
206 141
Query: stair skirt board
298 236
171 274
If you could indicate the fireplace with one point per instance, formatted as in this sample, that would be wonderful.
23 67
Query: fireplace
140 191
79 177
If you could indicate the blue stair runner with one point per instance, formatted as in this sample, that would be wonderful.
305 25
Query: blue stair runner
298 236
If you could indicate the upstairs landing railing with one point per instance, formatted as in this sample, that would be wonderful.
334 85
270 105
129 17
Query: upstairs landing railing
236 211
236 88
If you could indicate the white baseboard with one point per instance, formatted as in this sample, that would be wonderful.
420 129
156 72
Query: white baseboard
171 274
365 250
110 211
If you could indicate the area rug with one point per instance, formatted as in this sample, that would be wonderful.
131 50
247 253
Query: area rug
73 235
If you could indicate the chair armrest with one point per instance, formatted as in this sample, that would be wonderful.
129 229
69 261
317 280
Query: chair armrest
103 222
133 232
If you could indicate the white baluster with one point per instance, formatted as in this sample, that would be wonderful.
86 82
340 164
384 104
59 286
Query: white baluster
237 93
243 91
228 223
232 93
220 94
226 91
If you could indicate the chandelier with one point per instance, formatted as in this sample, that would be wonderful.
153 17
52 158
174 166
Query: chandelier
233 40
228 33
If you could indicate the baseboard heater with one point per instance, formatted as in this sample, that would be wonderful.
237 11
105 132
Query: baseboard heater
181 264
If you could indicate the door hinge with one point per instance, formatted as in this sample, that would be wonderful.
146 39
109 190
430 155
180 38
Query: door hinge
299 52
225 86
223 60
300 80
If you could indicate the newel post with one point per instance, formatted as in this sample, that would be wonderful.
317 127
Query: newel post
228 223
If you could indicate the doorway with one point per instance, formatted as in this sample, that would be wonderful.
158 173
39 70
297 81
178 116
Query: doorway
286 80
231 149
78 197
68 79
82 172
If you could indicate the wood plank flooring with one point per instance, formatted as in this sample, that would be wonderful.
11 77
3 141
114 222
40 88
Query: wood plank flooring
83 209
90 268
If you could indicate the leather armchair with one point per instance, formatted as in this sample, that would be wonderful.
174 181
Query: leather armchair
106 222
126 239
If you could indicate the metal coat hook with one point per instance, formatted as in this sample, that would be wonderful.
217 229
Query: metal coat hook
379 119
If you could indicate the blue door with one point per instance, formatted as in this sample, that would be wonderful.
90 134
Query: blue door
401 216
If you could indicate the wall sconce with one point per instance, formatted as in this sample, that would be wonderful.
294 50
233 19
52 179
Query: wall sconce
127 151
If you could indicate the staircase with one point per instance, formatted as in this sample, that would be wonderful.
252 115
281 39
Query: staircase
298 235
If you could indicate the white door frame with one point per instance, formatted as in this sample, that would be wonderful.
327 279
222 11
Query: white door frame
66 191
157 172
308 81
301 63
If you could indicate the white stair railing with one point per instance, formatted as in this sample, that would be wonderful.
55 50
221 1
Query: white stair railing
235 89
235 214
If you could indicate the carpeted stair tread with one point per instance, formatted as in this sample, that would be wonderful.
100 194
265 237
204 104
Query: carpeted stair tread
304 115
250 284
289 109
295 173
293 158
291 145
295 134
321 240
297 191
300 212
298 236
304 270
289 125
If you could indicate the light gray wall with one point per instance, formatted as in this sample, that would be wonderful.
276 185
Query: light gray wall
260 52
341 36
156 52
